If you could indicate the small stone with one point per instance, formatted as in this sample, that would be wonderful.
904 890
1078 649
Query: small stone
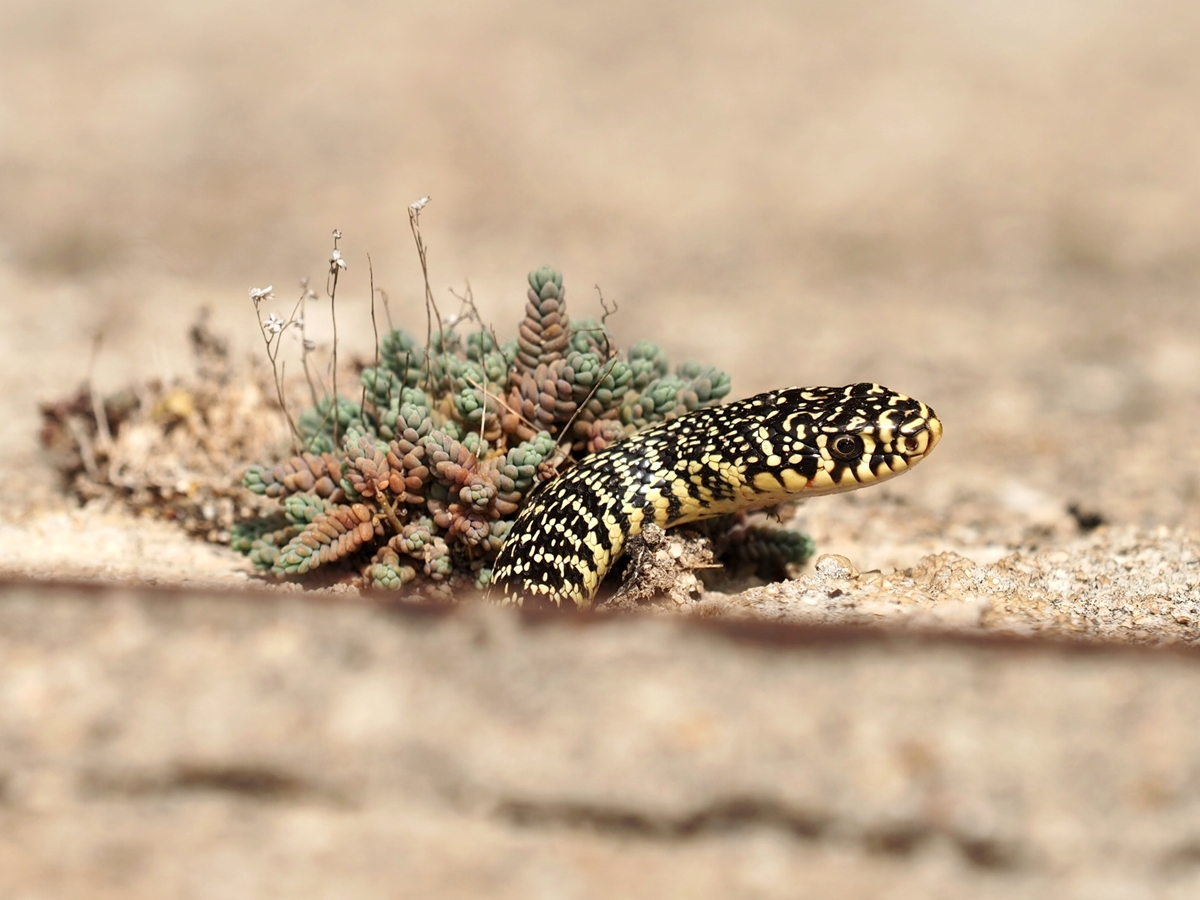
833 565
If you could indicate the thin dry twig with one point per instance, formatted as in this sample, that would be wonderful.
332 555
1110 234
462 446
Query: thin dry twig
467 301
390 513
272 332
504 403
306 346
609 357
387 310
609 353
103 432
431 310
86 454
336 266
586 400
375 329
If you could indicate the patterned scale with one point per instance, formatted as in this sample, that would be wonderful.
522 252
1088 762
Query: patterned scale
765 450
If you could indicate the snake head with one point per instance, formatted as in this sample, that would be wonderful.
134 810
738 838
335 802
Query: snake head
838 439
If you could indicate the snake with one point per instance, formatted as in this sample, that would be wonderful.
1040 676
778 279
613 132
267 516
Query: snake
765 450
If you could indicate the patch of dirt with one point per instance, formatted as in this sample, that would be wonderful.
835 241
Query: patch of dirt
662 567
169 451
1121 584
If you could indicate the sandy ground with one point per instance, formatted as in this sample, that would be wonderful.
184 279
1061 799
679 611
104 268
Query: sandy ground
201 746
993 207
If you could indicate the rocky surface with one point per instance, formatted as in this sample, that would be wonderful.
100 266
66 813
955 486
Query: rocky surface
1118 585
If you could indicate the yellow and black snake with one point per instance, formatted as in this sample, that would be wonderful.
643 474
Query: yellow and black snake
767 449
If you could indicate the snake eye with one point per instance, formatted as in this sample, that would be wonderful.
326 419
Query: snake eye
912 444
846 447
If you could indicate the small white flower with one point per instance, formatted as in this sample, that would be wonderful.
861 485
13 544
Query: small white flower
336 262
310 345
274 324
260 294
418 205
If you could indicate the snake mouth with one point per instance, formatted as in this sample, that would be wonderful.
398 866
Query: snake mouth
917 437
914 441
919 443
934 427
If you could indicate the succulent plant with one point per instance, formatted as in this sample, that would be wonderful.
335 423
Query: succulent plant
404 356
648 363
545 331
664 398
431 466
387 571
309 473
329 537
317 425
591 336
767 550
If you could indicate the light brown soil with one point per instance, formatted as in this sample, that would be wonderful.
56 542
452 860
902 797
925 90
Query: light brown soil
993 207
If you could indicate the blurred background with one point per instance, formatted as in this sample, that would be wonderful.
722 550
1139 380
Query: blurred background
990 205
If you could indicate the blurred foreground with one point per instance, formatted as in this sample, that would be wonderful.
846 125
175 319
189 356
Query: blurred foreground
192 745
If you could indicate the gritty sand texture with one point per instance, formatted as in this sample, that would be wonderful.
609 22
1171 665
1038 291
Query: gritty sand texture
1120 585
199 745
992 207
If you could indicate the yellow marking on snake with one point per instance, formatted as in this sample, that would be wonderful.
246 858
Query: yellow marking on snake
764 450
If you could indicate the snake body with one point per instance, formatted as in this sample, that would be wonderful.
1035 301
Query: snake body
767 449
